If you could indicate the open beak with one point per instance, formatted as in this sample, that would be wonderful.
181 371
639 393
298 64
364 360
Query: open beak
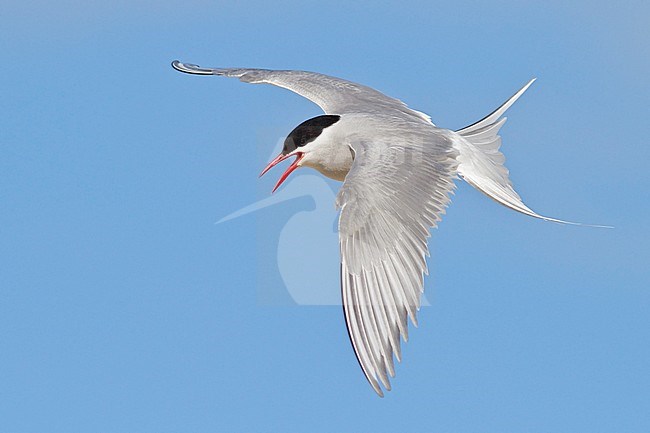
278 159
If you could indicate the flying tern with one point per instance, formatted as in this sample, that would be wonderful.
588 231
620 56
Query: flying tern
398 170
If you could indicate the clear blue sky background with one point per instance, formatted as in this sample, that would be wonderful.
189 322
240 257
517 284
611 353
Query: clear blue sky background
124 308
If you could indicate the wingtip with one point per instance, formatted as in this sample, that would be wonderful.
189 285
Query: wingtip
179 66
189 68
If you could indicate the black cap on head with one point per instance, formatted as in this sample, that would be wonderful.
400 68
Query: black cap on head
307 132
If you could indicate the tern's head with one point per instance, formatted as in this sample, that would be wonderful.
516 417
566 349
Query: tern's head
300 142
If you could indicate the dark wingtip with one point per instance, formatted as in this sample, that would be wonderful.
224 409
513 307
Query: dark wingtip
189 68
177 65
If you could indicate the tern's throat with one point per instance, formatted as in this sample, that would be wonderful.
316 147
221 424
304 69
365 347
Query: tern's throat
331 158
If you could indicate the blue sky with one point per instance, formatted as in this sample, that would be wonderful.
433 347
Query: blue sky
125 308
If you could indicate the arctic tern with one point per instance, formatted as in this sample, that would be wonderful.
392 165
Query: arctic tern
398 170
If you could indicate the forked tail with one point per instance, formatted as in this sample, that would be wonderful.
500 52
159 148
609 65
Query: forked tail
481 164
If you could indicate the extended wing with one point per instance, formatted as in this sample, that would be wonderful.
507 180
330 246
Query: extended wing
333 95
395 192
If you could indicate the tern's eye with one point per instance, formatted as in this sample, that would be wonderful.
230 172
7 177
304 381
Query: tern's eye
308 131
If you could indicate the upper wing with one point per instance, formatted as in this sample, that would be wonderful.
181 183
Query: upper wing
333 95
396 190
